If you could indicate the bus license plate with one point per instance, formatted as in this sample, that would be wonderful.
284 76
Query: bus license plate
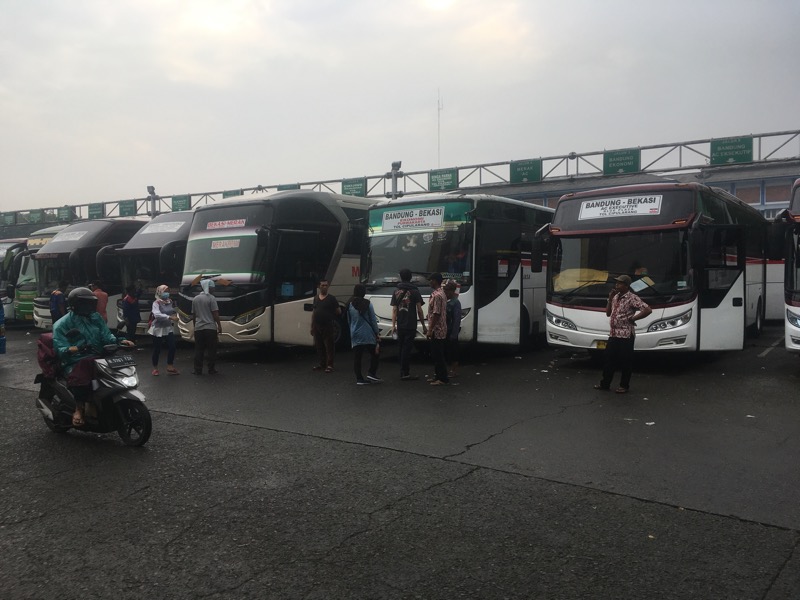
601 345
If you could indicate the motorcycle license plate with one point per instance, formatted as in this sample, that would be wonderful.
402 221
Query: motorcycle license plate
116 362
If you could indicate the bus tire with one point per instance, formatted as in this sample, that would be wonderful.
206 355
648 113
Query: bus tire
758 327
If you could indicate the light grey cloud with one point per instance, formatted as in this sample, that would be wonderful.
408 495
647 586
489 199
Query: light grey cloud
99 99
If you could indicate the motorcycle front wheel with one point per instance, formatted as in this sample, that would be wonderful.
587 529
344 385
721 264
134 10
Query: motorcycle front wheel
136 424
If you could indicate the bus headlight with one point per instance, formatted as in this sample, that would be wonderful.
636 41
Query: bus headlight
245 318
560 322
793 318
670 323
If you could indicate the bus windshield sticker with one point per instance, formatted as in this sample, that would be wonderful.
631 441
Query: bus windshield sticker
413 218
168 227
220 244
632 206
69 236
226 224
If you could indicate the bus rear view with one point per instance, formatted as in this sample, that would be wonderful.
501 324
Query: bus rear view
695 254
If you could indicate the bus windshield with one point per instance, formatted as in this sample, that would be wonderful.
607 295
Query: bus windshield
423 252
51 271
27 274
656 261
227 255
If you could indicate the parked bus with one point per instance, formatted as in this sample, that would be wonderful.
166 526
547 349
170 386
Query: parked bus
792 271
267 254
695 254
25 289
9 249
152 257
481 242
72 256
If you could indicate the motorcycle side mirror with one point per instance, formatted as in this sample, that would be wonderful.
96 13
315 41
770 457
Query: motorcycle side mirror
73 334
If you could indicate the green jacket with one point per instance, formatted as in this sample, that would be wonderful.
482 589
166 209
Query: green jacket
93 332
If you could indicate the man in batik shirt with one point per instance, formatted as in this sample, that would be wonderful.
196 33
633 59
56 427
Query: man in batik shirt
437 328
624 308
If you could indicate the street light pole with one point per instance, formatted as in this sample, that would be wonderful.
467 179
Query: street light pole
154 198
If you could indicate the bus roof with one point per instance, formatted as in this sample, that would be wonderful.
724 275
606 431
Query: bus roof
454 197
96 232
163 229
325 198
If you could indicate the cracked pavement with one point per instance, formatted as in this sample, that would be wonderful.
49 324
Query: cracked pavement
522 482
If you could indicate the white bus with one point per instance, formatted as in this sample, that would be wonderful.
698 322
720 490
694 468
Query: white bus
267 254
792 273
482 242
696 256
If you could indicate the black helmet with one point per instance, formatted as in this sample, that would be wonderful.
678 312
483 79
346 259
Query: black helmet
82 301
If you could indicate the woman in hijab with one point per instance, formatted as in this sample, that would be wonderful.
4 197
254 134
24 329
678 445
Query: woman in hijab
363 334
164 316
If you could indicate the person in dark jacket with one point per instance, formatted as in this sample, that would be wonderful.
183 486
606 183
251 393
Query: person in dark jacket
130 312
58 302
406 309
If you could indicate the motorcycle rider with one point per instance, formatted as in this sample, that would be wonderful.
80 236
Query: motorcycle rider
78 337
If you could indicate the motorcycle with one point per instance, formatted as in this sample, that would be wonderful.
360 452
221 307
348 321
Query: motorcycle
115 405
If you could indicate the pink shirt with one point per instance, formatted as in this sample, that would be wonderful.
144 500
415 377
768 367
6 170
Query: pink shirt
623 308
102 303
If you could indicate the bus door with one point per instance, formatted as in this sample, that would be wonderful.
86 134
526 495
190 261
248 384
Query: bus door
498 282
720 264
295 271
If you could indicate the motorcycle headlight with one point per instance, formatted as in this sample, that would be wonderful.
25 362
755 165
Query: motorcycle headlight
560 322
671 323
128 381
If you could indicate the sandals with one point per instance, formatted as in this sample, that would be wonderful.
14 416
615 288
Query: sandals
77 420
621 390
173 371
329 369
154 372
597 386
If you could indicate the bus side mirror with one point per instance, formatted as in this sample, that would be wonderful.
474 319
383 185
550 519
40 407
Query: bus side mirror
537 253
697 247
262 236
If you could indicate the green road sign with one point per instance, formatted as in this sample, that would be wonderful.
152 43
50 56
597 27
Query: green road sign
65 214
442 180
9 218
289 186
36 216
355 187
232 193
732 150
181 203
525 171
127 208
617 162
97 211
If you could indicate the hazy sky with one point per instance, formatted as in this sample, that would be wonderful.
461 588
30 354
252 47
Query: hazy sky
99 99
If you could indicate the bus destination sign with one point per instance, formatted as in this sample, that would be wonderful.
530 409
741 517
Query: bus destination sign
413 218
632 206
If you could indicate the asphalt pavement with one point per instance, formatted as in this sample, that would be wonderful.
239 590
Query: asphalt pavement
273 481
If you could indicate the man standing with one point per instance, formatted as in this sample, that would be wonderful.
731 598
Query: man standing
326 309
406 309
205 315
102 300
622 309
437 329
58 302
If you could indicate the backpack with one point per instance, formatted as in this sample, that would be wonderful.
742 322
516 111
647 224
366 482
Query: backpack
405 316
46 355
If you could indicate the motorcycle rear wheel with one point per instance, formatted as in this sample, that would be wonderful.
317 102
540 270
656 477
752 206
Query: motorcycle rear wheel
136 423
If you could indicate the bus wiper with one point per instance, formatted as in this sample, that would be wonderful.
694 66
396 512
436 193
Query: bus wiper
581 286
